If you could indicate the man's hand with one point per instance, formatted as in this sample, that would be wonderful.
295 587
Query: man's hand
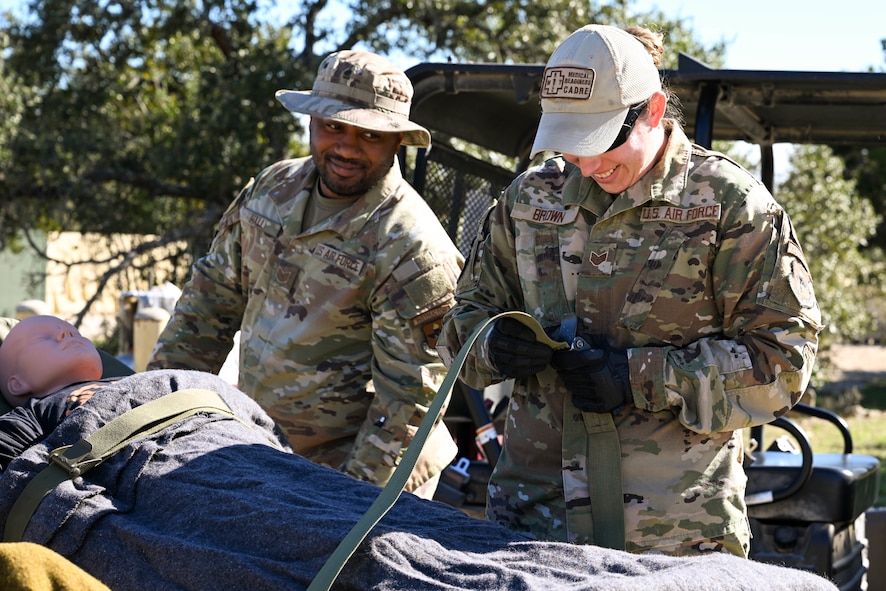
514 351
598 378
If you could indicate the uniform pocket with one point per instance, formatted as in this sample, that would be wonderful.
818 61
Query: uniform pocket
672 298
541 278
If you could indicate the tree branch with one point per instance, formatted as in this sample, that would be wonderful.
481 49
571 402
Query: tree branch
219 34
140 180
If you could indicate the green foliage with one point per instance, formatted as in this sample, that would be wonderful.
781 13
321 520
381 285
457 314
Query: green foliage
867 166
500 31
148 116
834 224
142 116
874 394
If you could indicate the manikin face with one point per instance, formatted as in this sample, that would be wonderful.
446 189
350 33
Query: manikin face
350 160
42 354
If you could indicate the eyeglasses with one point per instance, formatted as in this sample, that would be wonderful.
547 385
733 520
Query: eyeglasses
628 126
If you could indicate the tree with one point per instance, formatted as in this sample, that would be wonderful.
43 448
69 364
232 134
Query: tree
147 116
867 166
140 117
500 31
834 224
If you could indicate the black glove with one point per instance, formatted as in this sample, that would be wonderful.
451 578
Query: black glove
513 350
597 377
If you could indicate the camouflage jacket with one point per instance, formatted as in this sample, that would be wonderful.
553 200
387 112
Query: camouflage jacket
696 271
339 321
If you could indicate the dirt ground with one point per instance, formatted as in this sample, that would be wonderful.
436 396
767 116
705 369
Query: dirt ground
854 365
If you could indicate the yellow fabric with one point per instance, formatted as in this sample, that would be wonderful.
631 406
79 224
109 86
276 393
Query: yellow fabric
30 567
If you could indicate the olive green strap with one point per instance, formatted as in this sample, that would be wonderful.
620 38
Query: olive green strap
592 480
70 461
391 491
591 455
604 480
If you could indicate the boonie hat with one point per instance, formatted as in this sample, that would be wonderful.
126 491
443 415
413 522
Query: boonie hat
590 82
362 89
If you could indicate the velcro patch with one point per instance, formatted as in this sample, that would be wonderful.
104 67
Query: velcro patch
338 258
680 215
565 82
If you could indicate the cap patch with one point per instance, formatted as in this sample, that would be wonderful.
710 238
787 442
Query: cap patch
564 82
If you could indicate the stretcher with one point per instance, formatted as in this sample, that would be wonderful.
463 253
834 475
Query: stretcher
216 500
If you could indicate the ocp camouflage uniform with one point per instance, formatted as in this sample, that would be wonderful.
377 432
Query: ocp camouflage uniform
697 272
339 321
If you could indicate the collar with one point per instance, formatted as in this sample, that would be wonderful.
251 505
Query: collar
665 181
349 222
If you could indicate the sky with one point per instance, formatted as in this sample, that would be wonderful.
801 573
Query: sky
809 35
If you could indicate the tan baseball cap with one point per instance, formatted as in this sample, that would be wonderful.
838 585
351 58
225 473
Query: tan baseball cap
590 82
362 89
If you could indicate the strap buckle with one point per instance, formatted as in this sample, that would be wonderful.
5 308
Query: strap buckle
73 467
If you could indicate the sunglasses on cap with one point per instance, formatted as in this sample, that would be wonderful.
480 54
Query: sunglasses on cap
628 126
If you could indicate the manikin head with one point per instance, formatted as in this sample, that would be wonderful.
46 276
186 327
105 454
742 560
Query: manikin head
42 354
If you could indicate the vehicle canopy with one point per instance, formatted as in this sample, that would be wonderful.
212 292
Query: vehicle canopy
496 108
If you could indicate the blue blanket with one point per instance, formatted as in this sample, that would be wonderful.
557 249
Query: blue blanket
216 503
